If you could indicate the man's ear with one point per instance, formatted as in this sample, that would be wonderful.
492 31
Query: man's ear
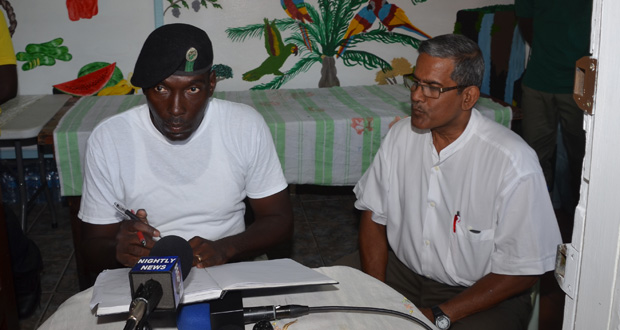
212 82
471 94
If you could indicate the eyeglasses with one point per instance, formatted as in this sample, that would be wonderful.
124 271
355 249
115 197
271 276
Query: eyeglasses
427 90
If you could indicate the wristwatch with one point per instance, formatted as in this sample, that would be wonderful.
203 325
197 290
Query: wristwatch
442 321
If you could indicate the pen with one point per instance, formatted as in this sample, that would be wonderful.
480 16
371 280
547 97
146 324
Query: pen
120 208
457 218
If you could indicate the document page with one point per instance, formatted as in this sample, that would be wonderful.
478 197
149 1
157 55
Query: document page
112 293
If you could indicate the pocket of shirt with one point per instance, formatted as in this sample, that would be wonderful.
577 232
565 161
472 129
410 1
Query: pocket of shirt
470 253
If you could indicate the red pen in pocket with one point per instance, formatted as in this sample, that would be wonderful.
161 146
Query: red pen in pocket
457 218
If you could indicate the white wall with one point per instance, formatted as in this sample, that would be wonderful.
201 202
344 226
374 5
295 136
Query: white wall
117 32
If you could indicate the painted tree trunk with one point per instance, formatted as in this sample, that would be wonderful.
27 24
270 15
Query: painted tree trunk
329 77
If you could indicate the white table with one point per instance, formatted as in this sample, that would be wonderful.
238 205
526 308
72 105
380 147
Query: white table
21 121
354 289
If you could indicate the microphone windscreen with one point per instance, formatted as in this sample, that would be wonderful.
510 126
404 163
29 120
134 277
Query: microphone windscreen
194 316
175 246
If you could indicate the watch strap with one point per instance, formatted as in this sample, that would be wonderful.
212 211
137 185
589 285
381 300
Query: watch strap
439 314
437 311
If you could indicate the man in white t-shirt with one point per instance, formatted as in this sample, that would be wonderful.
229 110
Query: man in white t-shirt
455 210
187 160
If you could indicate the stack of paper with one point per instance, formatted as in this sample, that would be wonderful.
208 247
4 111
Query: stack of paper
111 293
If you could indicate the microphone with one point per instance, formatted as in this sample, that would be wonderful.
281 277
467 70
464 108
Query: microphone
157 280
228 313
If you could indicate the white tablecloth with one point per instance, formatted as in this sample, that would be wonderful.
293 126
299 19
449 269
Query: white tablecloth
354 289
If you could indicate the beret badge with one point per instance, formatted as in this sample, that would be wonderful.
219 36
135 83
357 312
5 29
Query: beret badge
190 56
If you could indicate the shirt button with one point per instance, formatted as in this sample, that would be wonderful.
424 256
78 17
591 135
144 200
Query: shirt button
436 168
432 204
427 242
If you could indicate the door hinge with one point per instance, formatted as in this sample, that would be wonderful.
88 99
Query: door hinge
567 268
585 78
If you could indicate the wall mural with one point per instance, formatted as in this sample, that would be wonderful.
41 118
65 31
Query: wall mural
45 53
331 32
100 78
400 66
196 5
12 21
278 53
82 9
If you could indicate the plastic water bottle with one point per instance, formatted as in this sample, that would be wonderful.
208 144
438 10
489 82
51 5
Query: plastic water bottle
9 188
33 182
54 184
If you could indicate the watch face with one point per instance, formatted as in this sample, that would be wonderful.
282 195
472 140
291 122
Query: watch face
442 322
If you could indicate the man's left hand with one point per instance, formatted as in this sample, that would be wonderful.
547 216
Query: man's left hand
428 313
207 253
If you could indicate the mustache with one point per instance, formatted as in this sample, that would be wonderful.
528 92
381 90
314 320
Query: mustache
175 122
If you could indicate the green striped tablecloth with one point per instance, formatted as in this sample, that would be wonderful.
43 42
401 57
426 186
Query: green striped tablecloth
323 136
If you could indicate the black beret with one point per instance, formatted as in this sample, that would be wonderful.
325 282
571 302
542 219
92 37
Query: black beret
178 48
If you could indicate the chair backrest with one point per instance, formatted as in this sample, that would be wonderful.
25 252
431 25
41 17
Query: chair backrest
495 30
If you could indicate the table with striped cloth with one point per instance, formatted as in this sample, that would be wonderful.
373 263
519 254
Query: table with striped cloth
323 136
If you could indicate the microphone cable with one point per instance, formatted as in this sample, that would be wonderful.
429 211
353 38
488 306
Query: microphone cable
271 313
329 309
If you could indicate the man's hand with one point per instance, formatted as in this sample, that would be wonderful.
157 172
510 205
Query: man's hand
428 313
129 247
207 253
273 223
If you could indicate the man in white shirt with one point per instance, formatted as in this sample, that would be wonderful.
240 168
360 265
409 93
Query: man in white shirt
185 158
459 199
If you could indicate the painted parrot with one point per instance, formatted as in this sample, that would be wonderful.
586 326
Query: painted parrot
296 9
393 16
362 21
278 53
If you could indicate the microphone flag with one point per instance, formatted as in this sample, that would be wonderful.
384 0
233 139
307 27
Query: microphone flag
166 271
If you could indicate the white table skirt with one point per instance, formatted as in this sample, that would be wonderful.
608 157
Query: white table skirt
354 289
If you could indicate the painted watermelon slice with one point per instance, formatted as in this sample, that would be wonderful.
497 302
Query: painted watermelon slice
88 84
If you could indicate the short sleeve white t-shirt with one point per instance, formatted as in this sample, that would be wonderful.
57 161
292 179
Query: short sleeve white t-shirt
479 206
190 188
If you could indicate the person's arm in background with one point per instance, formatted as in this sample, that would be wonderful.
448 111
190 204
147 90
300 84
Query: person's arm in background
373 247
8 68
8 87
523 11
273 224
526 26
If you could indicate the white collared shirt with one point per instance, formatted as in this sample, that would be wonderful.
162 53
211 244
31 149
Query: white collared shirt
479 206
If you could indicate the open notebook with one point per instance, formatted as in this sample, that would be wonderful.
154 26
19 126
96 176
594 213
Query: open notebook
112 295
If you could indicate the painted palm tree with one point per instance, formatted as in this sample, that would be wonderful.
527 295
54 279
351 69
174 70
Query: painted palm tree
326 32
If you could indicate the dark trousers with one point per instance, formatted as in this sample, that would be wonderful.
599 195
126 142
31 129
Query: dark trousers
541 114
511 314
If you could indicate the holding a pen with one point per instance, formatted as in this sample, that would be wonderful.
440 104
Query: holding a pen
123 210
